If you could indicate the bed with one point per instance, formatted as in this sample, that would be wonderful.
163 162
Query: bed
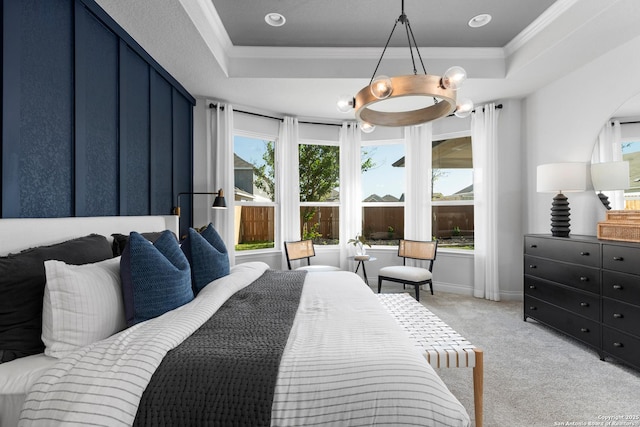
255 346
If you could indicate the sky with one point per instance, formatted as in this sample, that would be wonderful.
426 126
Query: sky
383 179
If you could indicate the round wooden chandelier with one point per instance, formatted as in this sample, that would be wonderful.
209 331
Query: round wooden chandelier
409 99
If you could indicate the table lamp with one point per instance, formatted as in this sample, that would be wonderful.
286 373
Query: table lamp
609 176
559 178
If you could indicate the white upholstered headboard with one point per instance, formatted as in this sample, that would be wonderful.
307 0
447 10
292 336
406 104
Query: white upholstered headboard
17 234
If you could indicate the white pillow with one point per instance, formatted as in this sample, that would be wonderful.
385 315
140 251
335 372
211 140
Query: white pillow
82 304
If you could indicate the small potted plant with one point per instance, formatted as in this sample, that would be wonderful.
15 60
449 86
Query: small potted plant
359 243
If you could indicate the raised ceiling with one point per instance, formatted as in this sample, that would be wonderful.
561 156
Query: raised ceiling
367 23
223 49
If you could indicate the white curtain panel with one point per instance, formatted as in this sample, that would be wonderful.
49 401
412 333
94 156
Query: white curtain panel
417 206
608 148
288 182
417 200
220 139
350 190
484 136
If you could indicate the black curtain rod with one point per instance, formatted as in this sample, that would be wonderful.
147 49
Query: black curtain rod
212 105
498 107
627 123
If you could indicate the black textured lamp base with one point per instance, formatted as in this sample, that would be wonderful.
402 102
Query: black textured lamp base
605 200
560 216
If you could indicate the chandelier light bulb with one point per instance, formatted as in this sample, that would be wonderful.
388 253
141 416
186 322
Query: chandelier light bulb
454 77
345 103
464 108
367 127
381 87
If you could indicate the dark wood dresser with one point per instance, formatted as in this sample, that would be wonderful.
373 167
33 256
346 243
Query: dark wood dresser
588 289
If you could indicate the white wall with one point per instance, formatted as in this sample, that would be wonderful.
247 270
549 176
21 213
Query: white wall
562 121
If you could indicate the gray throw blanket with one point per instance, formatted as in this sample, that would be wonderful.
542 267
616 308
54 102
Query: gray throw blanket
225 373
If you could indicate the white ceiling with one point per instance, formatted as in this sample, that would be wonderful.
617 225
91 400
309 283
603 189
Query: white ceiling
224 50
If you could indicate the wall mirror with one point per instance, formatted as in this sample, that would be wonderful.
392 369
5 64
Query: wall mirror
615 162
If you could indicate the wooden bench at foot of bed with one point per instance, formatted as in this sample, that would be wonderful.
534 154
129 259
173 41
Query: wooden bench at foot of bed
443 347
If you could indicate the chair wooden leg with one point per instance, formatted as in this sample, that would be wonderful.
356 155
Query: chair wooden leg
417 292
431 286
379 284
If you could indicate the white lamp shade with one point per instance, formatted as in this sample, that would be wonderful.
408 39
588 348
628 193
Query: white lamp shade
610 176
562 177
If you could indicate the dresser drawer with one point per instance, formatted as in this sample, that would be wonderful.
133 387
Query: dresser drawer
582 303
620 315
578 276
585 330
563 249
621 258
621 286
622 346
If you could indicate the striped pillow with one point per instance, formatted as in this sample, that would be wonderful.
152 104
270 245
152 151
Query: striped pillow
82 304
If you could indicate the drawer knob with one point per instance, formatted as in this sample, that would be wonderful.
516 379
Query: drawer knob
532 286
584 304
533 308
617 315
584 253
584 329
618 258
618 287
618 344
533 246
533 266
584 279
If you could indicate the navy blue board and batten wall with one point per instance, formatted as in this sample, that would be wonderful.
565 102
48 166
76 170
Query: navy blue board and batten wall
91 124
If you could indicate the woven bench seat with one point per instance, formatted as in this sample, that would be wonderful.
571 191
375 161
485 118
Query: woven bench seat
442 346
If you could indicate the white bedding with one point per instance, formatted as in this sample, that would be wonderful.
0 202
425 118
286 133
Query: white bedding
346 363
16 377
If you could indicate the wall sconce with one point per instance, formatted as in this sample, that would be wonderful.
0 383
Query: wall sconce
559 178
609 176
218 202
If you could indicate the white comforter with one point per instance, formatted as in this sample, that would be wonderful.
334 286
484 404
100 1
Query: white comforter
346 362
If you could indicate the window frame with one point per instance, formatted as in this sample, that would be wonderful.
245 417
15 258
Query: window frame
335 204
441 137
274 204
362 203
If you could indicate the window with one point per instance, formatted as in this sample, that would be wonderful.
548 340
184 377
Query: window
452 192
383 187
254 182
319 193
631 154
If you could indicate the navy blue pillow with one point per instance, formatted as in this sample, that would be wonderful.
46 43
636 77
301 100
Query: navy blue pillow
207 255
156 277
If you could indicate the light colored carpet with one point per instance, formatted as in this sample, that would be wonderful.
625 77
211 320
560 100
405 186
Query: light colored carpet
533 376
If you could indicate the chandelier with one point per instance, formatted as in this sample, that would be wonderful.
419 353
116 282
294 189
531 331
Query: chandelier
408 99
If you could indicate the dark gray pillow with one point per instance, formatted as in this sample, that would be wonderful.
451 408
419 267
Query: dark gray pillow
22 280
121 240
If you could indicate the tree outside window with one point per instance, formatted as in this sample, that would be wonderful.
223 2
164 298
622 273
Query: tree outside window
254 197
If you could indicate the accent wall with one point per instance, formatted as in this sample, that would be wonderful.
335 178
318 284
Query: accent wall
91 124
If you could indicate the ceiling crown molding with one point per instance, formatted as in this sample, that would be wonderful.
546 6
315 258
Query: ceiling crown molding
208 23
547 17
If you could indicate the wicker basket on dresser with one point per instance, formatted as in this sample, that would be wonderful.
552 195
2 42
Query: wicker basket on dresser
586 288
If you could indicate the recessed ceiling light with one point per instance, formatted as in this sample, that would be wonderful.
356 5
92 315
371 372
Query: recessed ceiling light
275 19
479 20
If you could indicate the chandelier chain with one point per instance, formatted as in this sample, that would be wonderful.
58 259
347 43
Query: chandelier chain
383 51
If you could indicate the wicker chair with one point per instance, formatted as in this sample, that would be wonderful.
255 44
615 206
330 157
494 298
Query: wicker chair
407 275
303 249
